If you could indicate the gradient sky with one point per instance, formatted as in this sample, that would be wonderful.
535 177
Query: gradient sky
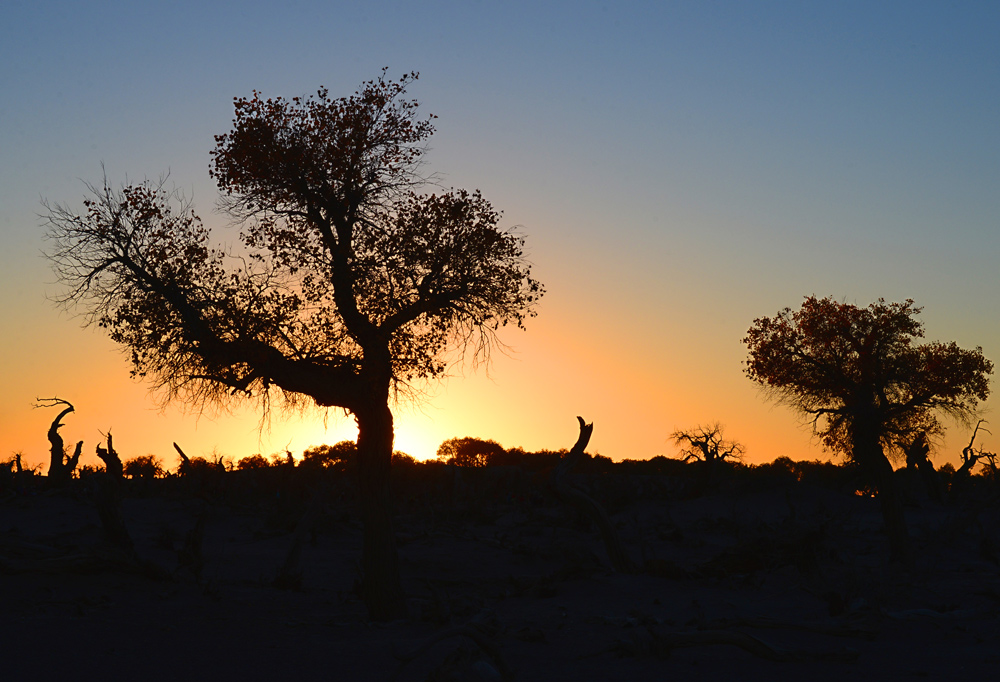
679 168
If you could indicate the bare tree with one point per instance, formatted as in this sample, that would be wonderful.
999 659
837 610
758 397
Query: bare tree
971 455
706 446
61 464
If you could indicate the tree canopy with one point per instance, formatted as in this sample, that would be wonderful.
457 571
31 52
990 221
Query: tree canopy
343 266
469 452
838 362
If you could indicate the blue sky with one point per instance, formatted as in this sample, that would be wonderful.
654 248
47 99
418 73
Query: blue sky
679 168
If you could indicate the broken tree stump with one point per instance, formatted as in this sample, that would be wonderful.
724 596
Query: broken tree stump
619 558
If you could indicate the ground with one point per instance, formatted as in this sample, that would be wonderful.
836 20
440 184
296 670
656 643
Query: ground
751 583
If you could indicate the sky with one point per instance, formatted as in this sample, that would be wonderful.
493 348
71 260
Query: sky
679 169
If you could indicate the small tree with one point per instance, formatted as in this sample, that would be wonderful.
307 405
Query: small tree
337 457
970 454
865 384
143 467
706 446
348 287
251 462
469 452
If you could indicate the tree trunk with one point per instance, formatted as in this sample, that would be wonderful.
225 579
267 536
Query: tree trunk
868 453
58 473
891 502
585 504
382 590
112 462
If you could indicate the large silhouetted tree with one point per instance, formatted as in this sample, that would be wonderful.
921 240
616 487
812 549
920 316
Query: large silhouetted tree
865 383
348 286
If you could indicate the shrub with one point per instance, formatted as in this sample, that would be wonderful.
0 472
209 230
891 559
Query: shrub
144 467
337 457
253 462
469 452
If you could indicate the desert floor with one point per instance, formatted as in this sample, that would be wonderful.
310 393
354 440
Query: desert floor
789 582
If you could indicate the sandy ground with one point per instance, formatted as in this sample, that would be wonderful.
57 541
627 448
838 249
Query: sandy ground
788 583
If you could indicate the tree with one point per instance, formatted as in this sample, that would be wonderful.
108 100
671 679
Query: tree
469 452
348 285
252 462
865 384
336 457
970 455
143 467
705 445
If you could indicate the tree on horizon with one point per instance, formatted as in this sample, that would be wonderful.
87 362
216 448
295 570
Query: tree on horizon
469 451
866 385
349 285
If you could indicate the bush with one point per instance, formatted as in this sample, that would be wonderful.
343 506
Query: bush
469 452
145 467
401 460
337 457
253 462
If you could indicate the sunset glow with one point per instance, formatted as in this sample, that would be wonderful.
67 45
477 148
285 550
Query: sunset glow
678 173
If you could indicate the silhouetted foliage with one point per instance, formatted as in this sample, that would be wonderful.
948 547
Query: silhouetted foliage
816 472
337 457
352 284
470 452
596 465
283 460
655 466
144 467
88 470
200 466
15 476
540 460
252 462
401 460
867 387
947 471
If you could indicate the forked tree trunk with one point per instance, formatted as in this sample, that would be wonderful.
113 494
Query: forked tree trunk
60 471
382 590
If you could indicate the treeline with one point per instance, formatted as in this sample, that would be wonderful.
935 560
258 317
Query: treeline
694 476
